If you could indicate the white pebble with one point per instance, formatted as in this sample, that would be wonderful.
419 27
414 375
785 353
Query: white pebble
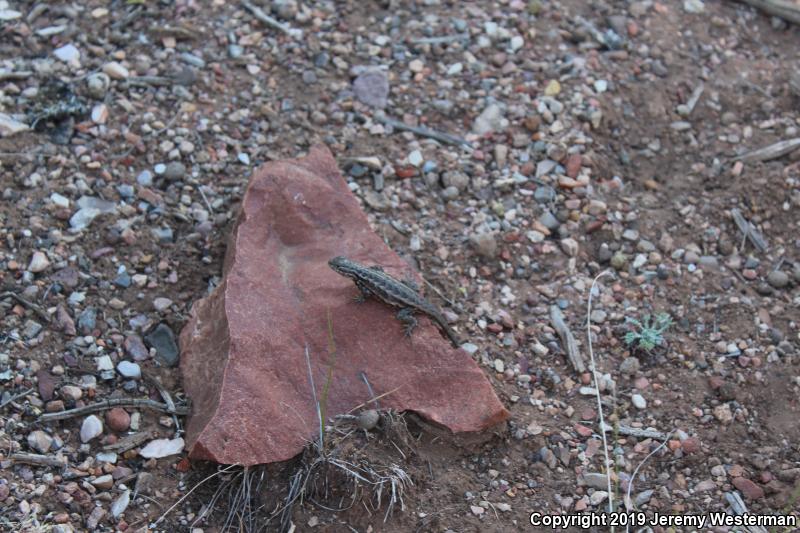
129 370
92 427
162 448
120 504
115 70
601 86
67 53
454 69
104 362
638 401
59 200
39 262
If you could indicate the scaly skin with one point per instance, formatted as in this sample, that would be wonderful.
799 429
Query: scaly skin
373 281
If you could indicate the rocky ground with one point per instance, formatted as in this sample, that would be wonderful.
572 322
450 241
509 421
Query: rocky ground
560 139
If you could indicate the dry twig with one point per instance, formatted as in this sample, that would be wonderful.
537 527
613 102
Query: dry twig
425 132
16 397
110 404
35 459
773 151
165 395
271 22
749 230
784 9
637 432
567 338
128 443
32 306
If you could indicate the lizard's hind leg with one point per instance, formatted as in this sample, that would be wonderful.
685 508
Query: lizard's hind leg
406 316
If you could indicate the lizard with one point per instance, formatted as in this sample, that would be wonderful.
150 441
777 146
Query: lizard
373 281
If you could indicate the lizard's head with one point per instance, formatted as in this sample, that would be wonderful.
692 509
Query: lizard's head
343 266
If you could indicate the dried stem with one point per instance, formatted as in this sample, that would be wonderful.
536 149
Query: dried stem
110 404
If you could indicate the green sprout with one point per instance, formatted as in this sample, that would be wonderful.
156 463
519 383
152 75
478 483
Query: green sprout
649 335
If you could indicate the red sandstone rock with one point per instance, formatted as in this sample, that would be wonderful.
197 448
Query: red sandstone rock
243 348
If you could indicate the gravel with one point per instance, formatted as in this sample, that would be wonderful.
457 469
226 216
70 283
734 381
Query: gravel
584 148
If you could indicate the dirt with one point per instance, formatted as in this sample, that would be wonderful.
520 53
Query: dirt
684 190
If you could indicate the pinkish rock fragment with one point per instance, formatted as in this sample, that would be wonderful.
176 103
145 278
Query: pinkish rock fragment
243 350
750 490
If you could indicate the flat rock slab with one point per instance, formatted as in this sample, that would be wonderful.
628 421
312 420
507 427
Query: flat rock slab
243 360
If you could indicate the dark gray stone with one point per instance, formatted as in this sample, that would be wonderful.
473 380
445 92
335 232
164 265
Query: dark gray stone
163 340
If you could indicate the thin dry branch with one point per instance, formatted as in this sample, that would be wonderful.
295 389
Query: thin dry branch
637 432
786 10
128 443
35 459
773 151
425 132
271 22
167 397
749 230
110 404
32 306
567 338
16 397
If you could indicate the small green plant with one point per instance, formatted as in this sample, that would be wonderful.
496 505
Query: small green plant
648 334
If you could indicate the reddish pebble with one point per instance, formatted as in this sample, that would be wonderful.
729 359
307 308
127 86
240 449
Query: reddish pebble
100 252
641 383
715 382
749 273
583 431
691 445
750 490
633 29
765 477
149 196
405 172
183 465
586 378
54 406
573 165
594 225
118 419
580 505
674 445
495 328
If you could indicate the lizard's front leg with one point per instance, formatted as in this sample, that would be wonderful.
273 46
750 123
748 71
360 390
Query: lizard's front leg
363 293
406 316
409 281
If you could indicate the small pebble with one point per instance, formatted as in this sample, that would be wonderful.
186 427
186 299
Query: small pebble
129 370
91 428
